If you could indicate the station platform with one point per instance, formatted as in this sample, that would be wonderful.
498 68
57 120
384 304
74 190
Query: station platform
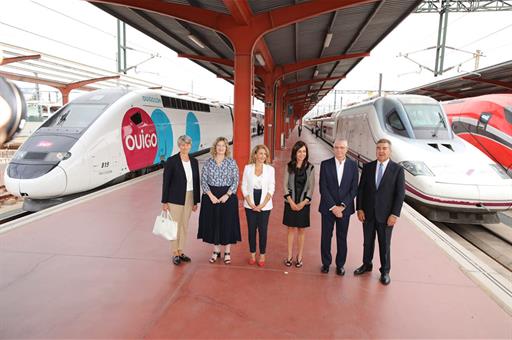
92 269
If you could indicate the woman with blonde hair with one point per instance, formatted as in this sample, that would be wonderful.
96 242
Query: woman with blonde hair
219 223
258 185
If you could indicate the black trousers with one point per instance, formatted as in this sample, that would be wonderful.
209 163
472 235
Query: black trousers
383 231
328 221
257 221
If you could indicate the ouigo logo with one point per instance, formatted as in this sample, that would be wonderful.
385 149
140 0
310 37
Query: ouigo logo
139 138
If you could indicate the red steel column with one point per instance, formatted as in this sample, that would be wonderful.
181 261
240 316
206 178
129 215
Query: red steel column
279 116
242 114
269 113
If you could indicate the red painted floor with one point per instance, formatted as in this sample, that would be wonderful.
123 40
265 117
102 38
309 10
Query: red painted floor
94 270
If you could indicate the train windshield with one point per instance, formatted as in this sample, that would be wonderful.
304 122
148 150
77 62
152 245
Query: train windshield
508 114
427 121
79 115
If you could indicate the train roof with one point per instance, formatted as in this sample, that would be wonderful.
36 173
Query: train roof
503 99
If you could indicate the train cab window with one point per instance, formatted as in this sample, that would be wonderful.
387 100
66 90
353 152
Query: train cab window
508 114
395 123
136 118
75 115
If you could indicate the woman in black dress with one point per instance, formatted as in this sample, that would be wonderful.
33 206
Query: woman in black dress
299 183
219 223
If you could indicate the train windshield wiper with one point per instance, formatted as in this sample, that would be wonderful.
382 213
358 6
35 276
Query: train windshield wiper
63 118
439 123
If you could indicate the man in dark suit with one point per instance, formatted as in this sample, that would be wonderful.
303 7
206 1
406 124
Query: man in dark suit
338 188
380 197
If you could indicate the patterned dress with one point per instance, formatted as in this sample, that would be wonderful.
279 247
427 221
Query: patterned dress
219 223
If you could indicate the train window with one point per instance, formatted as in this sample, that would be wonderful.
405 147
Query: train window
166 101
136 118
395 121
508 114
179 104
174 104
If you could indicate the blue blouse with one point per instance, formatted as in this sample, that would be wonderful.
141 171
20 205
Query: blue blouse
223 175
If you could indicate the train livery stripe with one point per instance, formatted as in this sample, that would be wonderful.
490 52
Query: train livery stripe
193 130
426 197
463 127
417 193
164 134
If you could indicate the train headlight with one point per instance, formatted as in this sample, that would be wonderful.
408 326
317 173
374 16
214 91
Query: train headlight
57 156
500 171
417 168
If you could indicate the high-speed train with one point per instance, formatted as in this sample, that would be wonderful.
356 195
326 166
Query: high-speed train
106 135
486 122
13 110
447 179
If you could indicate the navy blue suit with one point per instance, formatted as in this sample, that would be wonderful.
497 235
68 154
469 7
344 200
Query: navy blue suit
378 204
335 194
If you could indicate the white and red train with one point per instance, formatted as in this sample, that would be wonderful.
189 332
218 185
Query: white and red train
486 122
448 179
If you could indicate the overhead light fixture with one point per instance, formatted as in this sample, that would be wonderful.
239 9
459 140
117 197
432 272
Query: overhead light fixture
328 38
260 59
196 40
466 88
316 73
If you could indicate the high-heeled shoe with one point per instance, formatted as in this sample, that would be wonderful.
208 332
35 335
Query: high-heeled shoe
261 263
215 256
298 264
288 262
252 261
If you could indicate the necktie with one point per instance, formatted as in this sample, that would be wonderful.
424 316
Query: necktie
379 174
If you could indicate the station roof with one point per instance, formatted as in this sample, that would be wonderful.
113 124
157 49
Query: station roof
489 80
355 29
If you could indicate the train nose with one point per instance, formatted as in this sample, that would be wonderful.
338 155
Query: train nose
52 184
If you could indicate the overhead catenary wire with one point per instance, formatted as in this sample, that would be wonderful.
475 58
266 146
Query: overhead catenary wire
57 41
111 35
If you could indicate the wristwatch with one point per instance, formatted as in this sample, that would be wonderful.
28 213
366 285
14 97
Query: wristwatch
343 205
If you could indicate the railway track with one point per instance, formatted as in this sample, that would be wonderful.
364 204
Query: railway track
495 241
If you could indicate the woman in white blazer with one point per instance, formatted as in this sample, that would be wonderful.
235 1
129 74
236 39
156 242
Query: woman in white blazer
258 185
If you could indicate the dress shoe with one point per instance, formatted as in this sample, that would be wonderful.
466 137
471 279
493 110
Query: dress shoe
176 260
185 258
363 269
340 271
385 279
324 269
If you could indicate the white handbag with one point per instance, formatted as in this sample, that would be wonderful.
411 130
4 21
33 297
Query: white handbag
165 226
